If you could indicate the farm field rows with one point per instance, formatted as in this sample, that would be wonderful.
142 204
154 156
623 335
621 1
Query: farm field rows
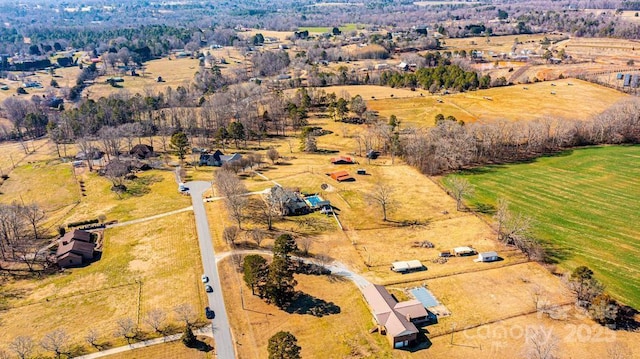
585 205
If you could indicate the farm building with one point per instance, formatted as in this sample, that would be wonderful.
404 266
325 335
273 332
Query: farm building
341 176
627 80
464 251
406 266
487 257
342 160
74 249
396 320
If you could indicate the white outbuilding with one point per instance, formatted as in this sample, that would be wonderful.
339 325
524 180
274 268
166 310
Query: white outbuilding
464 251
406 266
487 257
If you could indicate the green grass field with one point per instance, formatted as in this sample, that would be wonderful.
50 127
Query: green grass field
323 29
585 204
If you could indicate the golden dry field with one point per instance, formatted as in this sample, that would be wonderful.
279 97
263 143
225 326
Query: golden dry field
571 99
143 267
174 72
496 44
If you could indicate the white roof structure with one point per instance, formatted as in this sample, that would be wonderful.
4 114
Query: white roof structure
463 250
404 266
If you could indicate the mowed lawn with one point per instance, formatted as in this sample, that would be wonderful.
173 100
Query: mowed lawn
585 203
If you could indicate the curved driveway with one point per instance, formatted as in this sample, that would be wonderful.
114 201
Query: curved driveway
222 330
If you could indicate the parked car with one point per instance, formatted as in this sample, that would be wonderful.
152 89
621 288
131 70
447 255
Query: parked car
209 313
208 288
205 279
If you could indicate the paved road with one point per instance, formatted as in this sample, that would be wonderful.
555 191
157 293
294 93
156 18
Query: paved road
222 333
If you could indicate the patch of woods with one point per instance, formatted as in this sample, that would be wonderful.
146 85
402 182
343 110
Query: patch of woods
275 283
154 323
452 145
590 295
22 236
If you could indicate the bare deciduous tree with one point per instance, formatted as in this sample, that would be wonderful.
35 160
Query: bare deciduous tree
56 341
230 234
92 337
257 236
460 188
155 318
541 344
234 192
382 195
127 328
23 346
111 141
305 243
273 155
185 313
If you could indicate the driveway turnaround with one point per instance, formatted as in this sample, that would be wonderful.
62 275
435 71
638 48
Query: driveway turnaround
222 331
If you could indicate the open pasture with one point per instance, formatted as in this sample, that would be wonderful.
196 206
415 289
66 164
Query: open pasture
585 206
174 72
143 267
578 101
497 44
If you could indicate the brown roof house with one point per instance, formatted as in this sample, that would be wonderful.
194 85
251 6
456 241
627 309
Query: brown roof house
74 249
395 319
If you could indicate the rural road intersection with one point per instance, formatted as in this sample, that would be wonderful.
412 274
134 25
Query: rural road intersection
222 330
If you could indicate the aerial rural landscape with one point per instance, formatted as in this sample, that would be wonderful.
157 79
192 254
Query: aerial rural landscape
310 179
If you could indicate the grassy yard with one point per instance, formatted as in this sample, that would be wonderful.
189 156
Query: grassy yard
145 266
584 203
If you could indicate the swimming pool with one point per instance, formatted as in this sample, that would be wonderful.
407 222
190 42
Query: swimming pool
316 201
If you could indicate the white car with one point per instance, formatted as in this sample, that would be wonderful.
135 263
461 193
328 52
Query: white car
205 279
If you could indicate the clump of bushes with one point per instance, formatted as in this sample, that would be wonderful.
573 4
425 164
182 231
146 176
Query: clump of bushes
82 223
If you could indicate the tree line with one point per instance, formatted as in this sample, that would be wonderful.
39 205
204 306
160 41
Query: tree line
453 145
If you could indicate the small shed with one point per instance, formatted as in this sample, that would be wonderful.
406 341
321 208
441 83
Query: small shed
406 266
487 257
464 251
342 160
341 176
